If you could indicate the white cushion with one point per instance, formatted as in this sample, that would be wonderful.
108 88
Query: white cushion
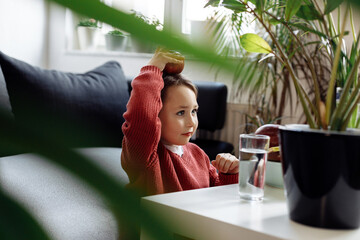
63 204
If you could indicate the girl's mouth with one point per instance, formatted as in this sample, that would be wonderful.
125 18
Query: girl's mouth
189 134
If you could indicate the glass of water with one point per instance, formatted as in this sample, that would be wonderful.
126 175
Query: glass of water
253 157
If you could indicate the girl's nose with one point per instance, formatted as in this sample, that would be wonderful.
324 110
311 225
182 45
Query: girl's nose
191 120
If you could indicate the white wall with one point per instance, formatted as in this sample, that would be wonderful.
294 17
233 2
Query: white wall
34 31
23 26
64 58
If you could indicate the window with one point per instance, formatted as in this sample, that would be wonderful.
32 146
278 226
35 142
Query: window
176 14
151 9
194 11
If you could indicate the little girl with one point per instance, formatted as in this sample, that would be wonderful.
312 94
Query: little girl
160 119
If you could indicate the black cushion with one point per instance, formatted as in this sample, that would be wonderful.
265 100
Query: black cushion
69 103
212 101
212 98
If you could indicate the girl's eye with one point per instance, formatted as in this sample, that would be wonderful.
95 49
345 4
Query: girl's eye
180 113
195 110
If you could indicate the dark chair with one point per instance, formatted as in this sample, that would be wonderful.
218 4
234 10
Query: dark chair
212 97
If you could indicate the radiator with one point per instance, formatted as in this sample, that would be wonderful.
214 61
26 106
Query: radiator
235 124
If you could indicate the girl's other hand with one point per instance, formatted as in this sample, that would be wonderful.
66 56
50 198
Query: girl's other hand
162 56
226 163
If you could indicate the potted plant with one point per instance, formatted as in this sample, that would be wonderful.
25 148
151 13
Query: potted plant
320 160
263 78
140 45
88 33
116 40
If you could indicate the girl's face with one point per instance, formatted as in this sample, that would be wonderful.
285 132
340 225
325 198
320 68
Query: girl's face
178 115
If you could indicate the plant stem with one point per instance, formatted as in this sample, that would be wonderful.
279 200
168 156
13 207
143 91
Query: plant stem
339 111
348 114
332 28
312 69
330 92
339 14
323 19
287 63
352 25
343 105
324 28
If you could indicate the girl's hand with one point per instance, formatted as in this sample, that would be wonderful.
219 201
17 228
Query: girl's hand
161 57
226 163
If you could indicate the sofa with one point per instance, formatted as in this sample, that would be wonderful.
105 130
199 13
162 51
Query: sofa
84 112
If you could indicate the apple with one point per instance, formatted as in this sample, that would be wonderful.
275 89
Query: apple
175 68
271 130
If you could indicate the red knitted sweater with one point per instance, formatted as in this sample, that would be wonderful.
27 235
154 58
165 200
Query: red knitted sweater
150 166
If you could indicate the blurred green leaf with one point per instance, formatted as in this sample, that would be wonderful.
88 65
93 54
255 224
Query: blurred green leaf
234 5
308 12
331 5
213 3
291 8
260 5
307 29
17 223
252 1
123 203
274 21
355 3
253 43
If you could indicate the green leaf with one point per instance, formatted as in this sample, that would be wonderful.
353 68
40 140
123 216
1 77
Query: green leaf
252 1
17 223
307 29
212 3
253 43
308 12
234 5
260 4
274 21
332 5
355 3
291 8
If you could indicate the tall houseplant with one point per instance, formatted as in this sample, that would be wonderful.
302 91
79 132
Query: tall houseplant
258 77
303 41
323 113
321 167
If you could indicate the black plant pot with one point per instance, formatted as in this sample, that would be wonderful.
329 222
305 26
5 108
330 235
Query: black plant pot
321 176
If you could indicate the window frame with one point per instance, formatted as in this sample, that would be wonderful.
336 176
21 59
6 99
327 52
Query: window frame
174 19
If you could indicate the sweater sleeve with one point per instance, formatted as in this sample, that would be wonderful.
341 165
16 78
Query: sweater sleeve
221 178
142 126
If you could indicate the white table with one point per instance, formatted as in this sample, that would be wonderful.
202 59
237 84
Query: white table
218 213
